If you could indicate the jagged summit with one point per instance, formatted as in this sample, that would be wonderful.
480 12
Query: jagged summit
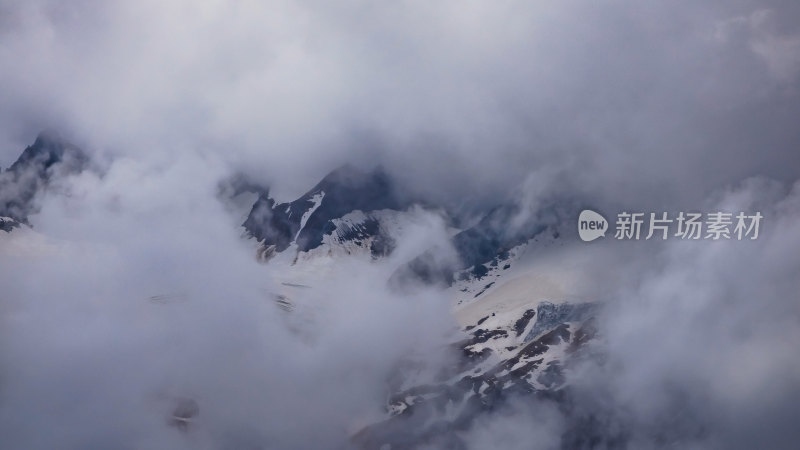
306 220
49 156
48 149
352 208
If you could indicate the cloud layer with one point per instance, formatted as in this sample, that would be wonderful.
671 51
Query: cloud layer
628 98
641 105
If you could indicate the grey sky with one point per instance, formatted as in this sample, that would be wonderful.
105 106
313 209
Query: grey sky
622 96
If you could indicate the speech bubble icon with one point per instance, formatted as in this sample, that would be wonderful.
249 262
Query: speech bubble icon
591 225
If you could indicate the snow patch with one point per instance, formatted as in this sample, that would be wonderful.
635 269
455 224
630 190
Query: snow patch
316 199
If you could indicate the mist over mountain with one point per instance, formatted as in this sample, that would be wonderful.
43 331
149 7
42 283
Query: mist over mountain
48 157
350 225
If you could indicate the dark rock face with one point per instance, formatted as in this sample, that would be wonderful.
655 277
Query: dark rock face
346 190
48 157
522 322
342 191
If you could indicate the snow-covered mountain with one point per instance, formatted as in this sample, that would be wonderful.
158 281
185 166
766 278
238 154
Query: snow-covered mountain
521 328
351 211
342 210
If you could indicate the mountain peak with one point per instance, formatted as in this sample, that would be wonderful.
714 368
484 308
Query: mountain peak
306 220
48 149
34 169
